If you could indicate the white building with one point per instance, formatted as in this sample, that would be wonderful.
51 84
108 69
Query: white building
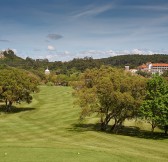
133 71
154 67
47 72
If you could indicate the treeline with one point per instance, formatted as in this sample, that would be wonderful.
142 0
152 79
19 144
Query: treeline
134 60
113 94
79 64
64 73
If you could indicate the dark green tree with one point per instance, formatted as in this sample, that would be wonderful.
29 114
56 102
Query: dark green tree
16 86
155 107
144 74
111 93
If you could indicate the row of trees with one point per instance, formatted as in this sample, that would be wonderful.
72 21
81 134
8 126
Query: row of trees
79 64
114 94
63 73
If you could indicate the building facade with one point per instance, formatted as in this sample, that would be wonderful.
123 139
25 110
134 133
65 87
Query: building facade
47 71
154 67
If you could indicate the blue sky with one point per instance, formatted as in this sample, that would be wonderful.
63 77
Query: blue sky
67 29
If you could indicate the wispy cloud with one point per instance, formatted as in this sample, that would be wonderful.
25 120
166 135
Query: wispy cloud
111 53
4 40
15 51
57 56
163 7
97 54
54 36
93 10
51 48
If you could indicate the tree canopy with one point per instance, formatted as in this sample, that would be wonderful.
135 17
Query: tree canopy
16 86
111 93
155 107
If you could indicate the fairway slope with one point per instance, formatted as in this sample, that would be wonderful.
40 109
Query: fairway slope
47 131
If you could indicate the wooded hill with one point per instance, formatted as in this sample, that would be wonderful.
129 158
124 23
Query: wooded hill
79 64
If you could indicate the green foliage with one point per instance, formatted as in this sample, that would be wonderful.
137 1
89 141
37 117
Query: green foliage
134 60
144 74
155 106
78 64
112 93
39 73
50 84
165 74
62 79
16 86
48 130
11 59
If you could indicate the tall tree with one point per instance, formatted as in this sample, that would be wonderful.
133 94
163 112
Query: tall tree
112 93
155 107
16 86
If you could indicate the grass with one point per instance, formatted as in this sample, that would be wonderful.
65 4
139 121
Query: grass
48 130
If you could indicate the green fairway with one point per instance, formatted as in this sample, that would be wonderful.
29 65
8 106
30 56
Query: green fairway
48 130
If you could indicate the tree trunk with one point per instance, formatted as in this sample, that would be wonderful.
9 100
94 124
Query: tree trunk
103 126
117 125
114 125
153 127
6 102
166 129
8 106
105 122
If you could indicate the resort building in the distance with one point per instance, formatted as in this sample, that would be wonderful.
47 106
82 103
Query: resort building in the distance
154 67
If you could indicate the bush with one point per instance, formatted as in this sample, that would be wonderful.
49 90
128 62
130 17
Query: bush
50 84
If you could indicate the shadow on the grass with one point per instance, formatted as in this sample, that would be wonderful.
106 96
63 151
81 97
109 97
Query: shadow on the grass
137 132
15 109
84 127
124 130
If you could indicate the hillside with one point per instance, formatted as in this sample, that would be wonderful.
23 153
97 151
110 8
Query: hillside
49 130
8 58
134 60
80 64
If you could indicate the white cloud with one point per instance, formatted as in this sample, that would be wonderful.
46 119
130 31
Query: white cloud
150 53
66 52
93 10
137 51
51 48
97 54
59 56
111 53
49 57
15 51
143 52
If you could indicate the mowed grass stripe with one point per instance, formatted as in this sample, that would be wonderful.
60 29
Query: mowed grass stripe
49 131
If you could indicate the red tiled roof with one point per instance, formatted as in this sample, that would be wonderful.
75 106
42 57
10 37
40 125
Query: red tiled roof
159 64
143 66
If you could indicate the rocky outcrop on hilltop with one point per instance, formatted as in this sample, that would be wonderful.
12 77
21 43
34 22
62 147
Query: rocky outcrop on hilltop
1 55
